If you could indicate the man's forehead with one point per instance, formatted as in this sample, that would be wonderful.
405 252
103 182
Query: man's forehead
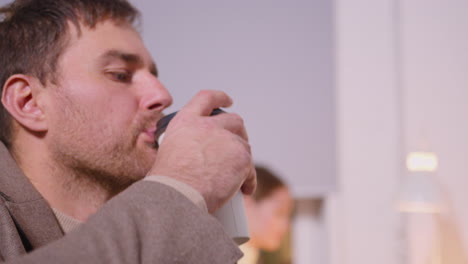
76 29
113 40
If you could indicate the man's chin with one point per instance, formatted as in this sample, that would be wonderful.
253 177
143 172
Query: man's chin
147 155
143 143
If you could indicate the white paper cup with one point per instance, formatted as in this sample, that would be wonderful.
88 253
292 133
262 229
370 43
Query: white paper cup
232 217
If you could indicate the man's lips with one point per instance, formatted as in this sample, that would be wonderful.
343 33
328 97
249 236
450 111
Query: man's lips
149 129
150 132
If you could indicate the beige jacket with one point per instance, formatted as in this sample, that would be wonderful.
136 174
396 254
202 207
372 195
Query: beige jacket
147 223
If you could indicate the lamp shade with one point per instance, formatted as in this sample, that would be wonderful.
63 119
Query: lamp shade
420 194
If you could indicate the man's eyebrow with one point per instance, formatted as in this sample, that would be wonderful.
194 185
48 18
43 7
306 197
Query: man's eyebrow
127 58
120 55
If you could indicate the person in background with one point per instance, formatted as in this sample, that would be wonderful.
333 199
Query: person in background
268 215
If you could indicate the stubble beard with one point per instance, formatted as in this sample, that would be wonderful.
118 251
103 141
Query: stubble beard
91 155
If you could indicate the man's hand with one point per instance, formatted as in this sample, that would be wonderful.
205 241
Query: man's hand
210 153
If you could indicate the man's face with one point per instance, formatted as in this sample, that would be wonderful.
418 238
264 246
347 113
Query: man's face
103 110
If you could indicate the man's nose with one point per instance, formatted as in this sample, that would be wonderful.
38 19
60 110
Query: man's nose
155 96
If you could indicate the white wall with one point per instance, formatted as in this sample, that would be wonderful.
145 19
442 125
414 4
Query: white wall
402 71
363 226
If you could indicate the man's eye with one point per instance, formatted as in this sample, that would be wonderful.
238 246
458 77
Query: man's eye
124 77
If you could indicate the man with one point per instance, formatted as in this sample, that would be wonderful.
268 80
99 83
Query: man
80 99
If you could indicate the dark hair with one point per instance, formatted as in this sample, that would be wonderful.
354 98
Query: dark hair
267 182
34 33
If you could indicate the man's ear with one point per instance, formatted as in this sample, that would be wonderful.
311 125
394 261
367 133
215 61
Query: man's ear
20 97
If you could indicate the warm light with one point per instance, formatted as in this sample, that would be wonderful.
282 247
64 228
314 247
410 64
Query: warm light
415 207
421 161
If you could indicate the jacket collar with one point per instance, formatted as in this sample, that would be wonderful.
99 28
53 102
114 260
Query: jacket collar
33 216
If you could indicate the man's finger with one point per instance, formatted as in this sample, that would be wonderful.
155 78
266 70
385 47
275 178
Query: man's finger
250 184
205 101
233 123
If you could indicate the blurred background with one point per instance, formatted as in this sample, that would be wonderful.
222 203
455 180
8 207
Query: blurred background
359 105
